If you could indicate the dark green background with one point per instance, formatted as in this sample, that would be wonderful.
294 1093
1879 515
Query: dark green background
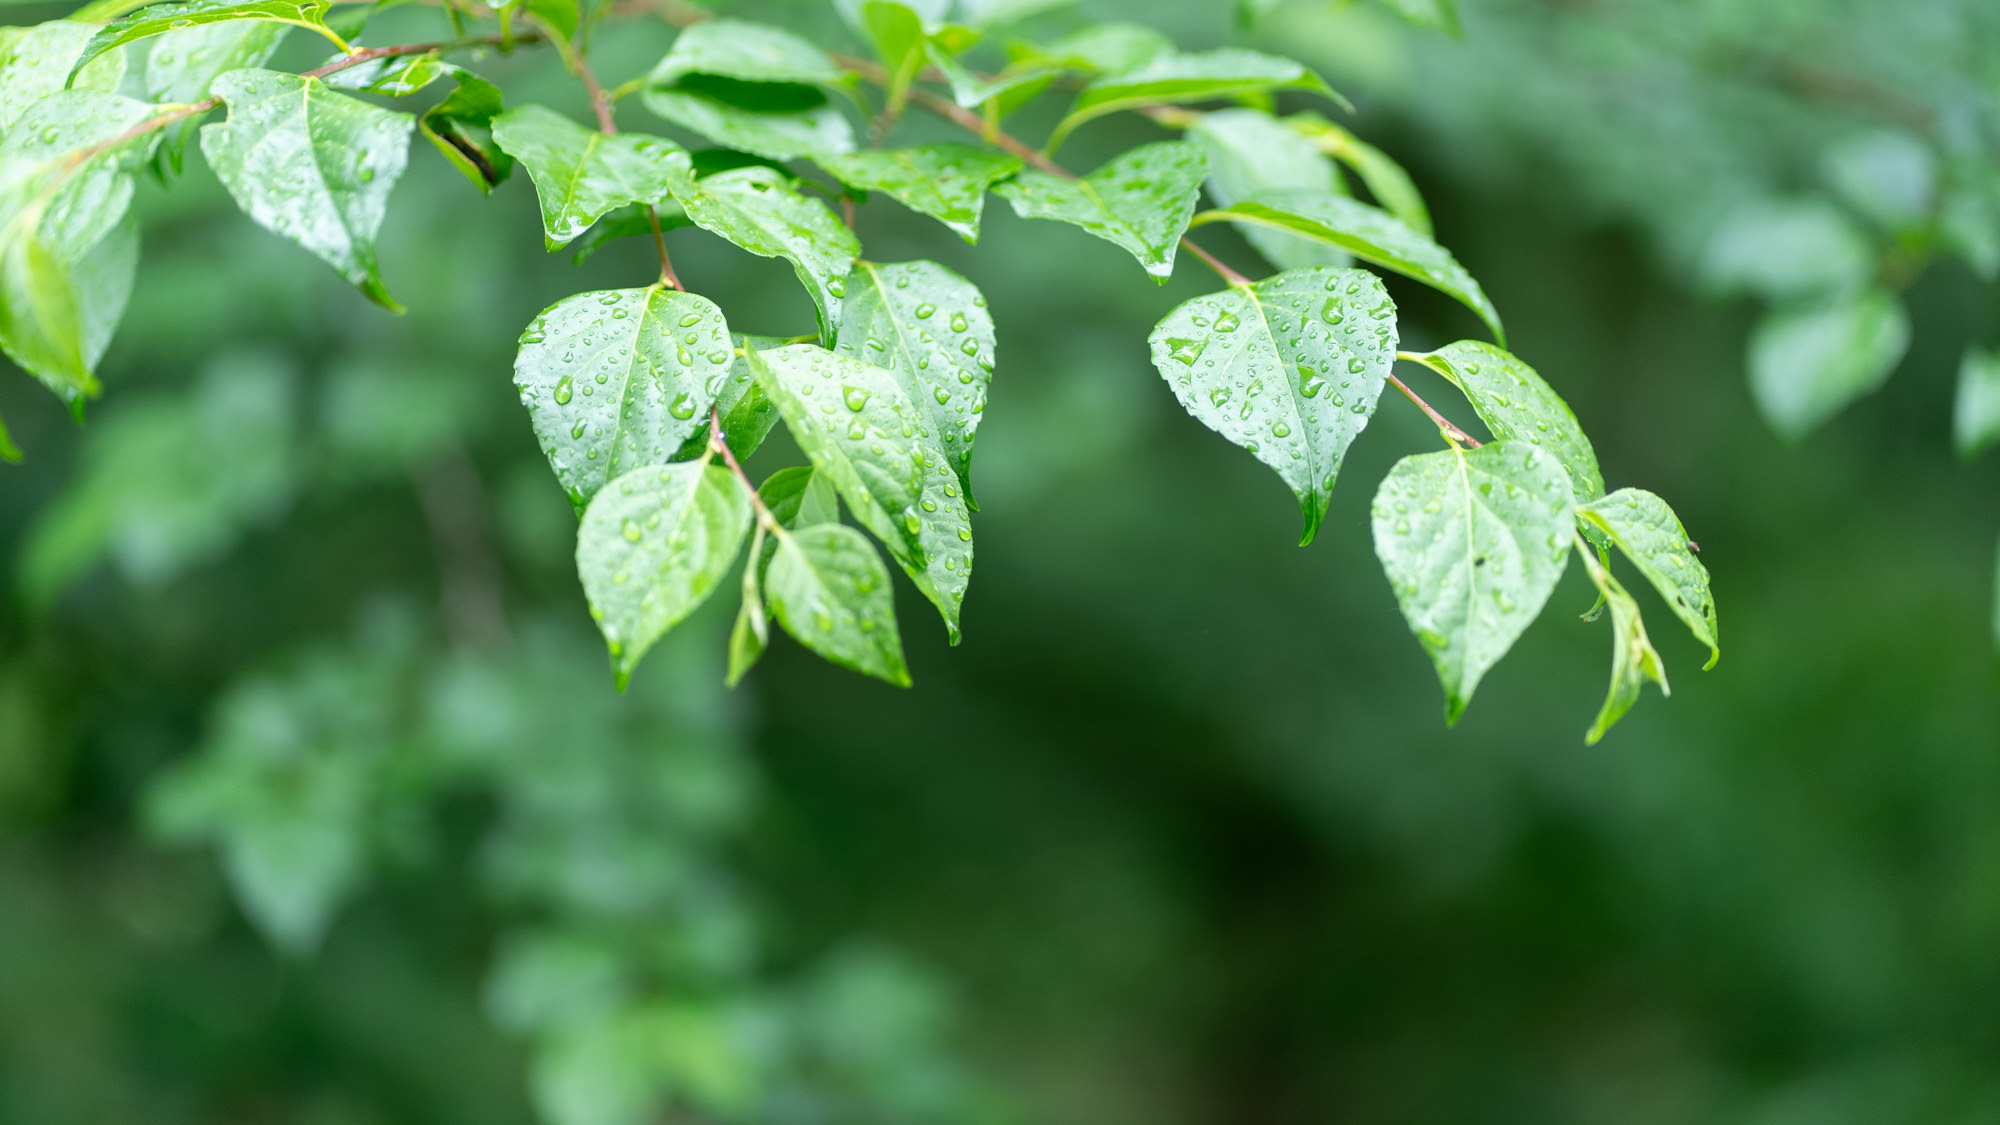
1179 825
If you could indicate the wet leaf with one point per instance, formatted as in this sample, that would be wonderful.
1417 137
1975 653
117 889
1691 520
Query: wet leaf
1290 369
828 588
1174 78
580 174
947 181
1141 201
177 15
1249 151
1518 406
1646 530
1633 658
1473 542
760 211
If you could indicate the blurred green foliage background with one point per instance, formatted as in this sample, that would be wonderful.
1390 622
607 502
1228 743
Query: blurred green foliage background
1177 835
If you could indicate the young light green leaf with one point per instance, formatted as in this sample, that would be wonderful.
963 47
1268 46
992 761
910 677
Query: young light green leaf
930 328
460 127
800 496
758 209
620 379
1633 658
1289 369
947 181
1170 79
898 35
986 13
830 591
751 634
67 250
815 131
176 15
1386 180
580 174
311 165
1249 152
38 61
1141 200
653 545
747 413
1517 405
1369 233
1975 420
747 52
1473 542
1438 15
1649 534
1807 364
971 90
873 443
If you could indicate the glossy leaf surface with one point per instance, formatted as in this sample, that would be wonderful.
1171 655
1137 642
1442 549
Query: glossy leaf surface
158 19
1250 152
1518 405
620 379
580 174
759 210
931 329
311 165
1646 530
1473 542
1170 79
1633 658
871 441
830 591
652 546
1141 201
1369 233
1290 369
947 181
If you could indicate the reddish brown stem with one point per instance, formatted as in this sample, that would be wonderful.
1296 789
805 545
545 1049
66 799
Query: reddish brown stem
719 443
1443 423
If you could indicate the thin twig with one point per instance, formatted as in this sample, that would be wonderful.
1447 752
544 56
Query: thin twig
1443 423
717 443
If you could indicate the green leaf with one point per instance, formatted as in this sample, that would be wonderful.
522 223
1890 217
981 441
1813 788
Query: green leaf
461 126
1649 534
630 221
1142 200
1438 15
1171 79
800 496
930 328
311 165
1633 658
181 66
1249 152
1975 420
780 135
986 13
747 52
947 181
1369 233
1887 175
392 76
1105 48
1518 406
653 545
37 61
747 414
618 380
67 249
176 15
751 634
872 442
1808 363
830 591
1473 542
972 91
580 174
759 210
1290 369
9 452
1785 248
897 33
1386 179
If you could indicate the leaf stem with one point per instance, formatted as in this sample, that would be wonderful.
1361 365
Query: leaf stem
1443 424
1217 264
717 443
